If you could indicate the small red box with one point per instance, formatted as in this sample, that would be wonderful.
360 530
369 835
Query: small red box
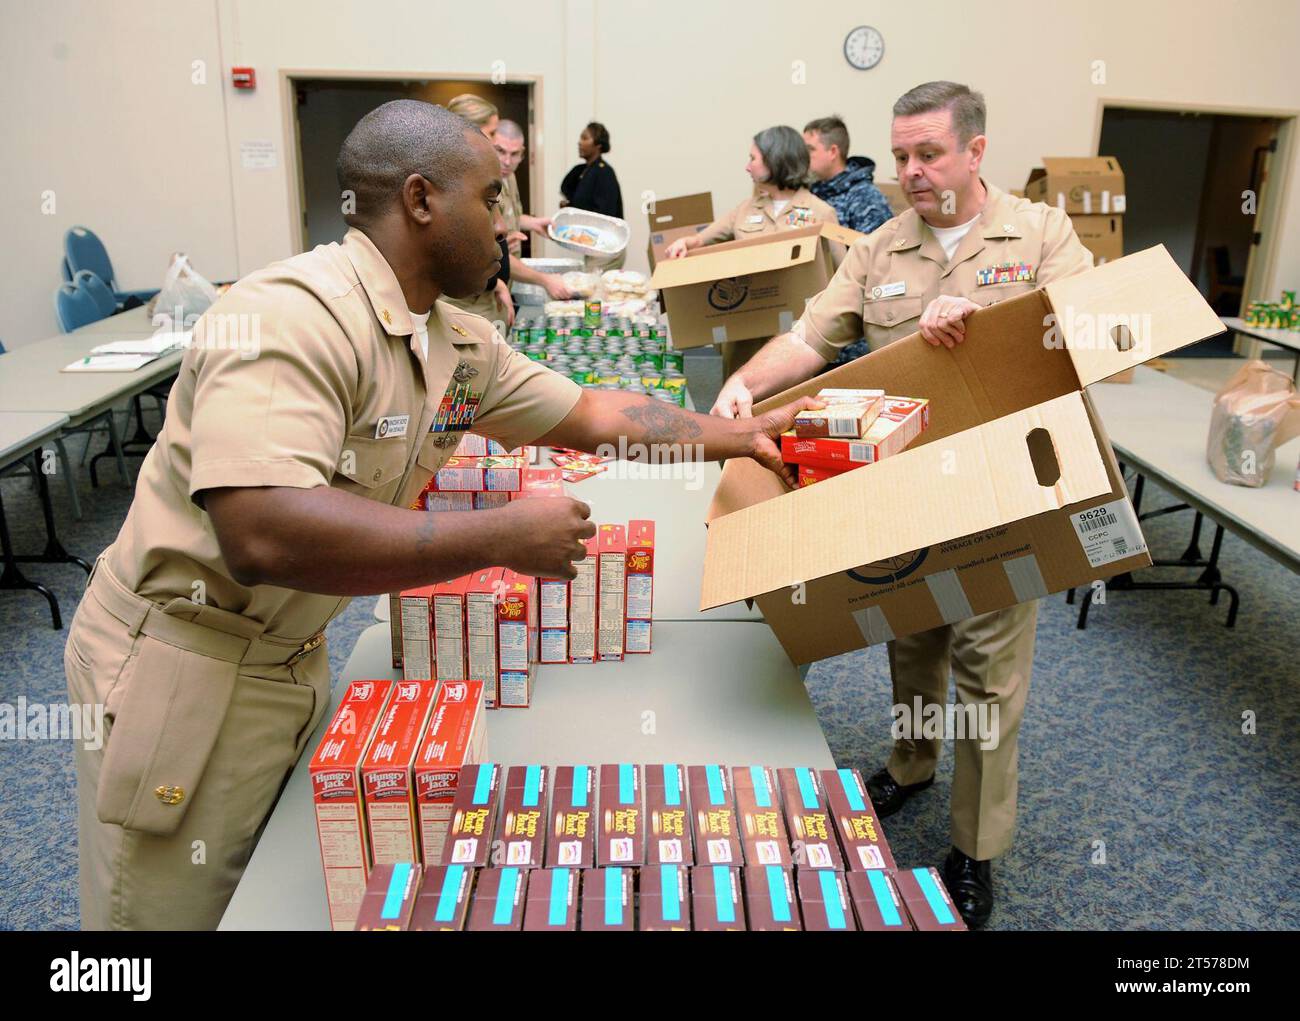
414 623
584 605
482 590
449 629
640 584
453 740
516 640
812 474
612 626
386 773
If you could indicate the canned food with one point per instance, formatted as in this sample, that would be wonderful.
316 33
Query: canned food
674 361
674 381
591 313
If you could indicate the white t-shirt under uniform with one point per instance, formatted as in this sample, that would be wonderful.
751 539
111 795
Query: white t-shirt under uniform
950 237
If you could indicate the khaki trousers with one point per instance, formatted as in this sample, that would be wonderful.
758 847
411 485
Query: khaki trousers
990 657
204 719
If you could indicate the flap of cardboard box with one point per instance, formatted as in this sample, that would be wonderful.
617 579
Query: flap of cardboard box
740 258
844 235
681 212
1127 312
1083 166
1031 462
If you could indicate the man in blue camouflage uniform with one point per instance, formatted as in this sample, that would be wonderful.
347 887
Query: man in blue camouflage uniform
847 184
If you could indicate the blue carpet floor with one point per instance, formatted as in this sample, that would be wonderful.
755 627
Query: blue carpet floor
1132 745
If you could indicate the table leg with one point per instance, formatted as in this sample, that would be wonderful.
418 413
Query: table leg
69 477
12 577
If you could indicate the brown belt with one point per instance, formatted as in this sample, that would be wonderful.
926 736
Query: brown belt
203 630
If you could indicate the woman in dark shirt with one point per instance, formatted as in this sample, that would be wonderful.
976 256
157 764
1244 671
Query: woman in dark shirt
592 184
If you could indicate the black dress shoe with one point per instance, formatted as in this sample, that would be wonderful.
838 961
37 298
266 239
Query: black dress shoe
970 883
888 795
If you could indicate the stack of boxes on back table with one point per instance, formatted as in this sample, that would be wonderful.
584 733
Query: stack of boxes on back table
659 847
495 625
856 428
1091 190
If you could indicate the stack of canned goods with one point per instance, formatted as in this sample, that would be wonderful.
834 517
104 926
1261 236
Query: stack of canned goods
1274 315
606 352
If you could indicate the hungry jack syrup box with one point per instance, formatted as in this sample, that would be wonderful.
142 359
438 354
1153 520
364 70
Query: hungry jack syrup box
481 593
622 828
498 903
607 900
612 625
552 904
665 900
583 603
573 818
389 899
876 902
523 817
640 584
415 621
901 420
928 904
824 901
856 821
808 820
337 793
713 816
449 628
716 903
386 777
763 835
473 816
770 901
516 640
492 473
453 740
668 816
443 902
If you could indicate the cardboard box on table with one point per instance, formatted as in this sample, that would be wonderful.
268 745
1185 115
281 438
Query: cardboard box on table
893 192
1101 235
1013 492
1091 185
675 218
748 289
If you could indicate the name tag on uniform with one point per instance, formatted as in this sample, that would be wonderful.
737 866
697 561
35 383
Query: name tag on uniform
392 425
889 290
754 218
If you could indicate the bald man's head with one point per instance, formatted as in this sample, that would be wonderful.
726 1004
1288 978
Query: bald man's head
509 129
426 183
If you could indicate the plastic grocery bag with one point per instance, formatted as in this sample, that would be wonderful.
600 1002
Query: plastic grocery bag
1255 413
185 294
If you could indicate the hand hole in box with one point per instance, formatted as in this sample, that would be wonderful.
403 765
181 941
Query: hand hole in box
794 252
1122 336
1042 454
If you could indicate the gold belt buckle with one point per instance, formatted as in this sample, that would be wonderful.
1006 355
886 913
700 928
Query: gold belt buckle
310 645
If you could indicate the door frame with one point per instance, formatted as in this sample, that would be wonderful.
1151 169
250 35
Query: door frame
291 142
1272 200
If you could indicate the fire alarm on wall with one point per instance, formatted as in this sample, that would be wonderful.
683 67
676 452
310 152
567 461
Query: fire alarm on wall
243 77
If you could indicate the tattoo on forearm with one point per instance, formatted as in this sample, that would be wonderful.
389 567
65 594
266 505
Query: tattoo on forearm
662 423
424 534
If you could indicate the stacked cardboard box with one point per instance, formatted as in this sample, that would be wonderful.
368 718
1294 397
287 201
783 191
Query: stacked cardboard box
1091 190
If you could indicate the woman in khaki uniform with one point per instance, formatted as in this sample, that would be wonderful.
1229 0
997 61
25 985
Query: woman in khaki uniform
778 166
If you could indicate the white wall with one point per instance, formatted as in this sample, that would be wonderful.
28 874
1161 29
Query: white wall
681 84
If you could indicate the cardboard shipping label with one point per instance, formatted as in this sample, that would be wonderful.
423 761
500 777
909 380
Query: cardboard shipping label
473 816
668 834
824 901
389 900
455 738
607 900
876 902
665 903
856 821
443 902
583 606
713 816
552 904
770 901
498 902
763 835
808 820
337 794
622 830
612 592
640 584
386 776
716 902
927 900
573 818
1108 532
523 817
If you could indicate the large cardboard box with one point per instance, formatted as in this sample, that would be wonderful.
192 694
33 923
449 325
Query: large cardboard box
742 290
1101 235
675 218
1078 184
1013 492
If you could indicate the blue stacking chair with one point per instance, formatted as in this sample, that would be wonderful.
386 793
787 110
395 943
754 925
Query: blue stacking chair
75 307
82 249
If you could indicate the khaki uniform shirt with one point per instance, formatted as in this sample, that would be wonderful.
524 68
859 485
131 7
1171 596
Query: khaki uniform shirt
511 207
754 217
891 275
338 394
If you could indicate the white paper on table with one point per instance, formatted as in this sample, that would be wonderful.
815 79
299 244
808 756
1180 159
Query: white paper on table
110 363
157 344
